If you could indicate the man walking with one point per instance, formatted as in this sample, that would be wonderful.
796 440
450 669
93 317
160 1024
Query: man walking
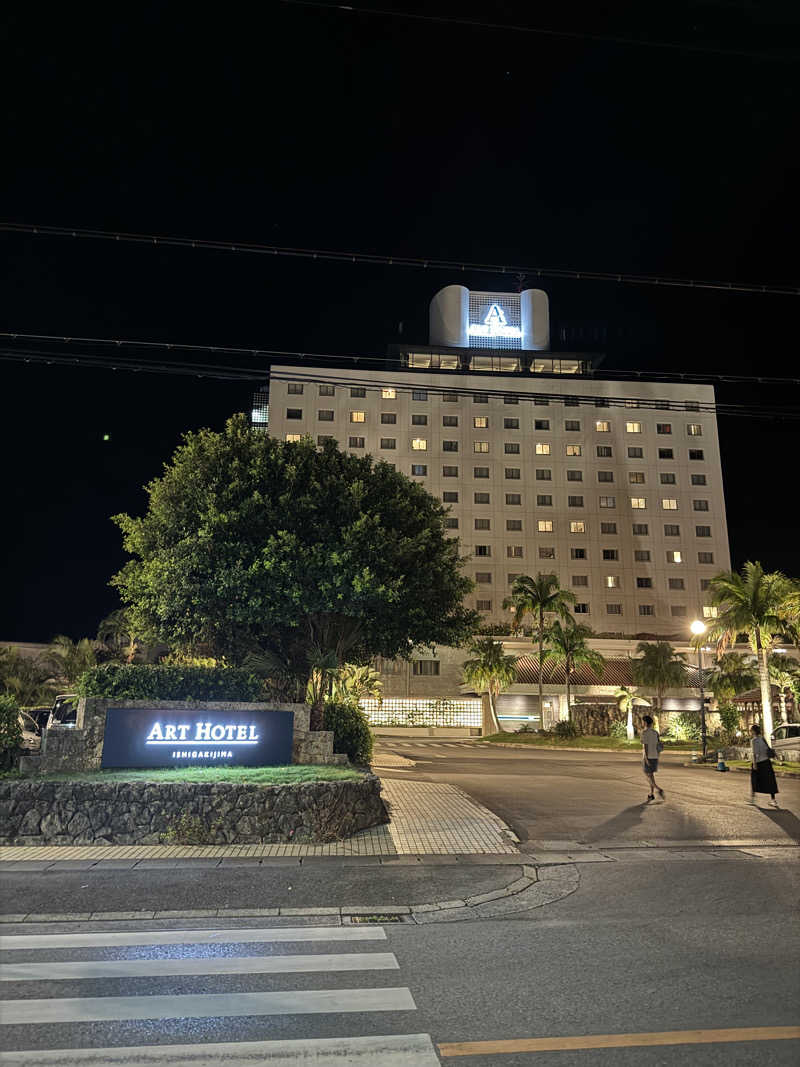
651 746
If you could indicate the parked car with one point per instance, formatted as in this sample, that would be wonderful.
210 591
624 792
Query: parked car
31 730
786 741
64 711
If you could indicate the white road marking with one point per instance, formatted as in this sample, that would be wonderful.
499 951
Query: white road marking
106 939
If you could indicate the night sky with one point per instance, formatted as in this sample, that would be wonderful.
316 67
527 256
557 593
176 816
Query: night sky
344 130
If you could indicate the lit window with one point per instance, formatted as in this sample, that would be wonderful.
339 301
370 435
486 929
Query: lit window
646 609
710 612
545 525
636 477
480 446
580 579
293 438
675 556
483 605
449 472
419 444
295 388
419 470
542 449
388 394
577 526
633 427
480 422
669 503
514 551
483 550
611 581
694 429
388 442
358 416
613 609
356 442
573 450
638 503
546 553
601 426
296 413
419 420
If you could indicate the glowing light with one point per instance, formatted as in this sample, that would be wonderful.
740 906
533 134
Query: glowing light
698 627
494 325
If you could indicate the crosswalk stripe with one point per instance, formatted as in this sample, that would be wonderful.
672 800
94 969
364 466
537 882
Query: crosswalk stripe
342 961
232 936
203 1005
397 1050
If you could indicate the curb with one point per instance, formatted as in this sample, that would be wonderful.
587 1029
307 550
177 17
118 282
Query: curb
744 770
564 748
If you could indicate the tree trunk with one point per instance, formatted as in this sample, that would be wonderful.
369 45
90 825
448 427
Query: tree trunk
766 690
782 693
493 712
569 706
541 666
629 724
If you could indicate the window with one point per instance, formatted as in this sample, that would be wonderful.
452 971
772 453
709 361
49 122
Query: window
580 609
677 610
574 501
705 557
640 529
512 578
510 424
542 449
480 398
356 442
513 498
449 472
631 403
572 425
514 551
419 420
297 413
545 525
571 402
577 526
613 609
388 442
580 579
574 450
574 476
295 388
694 429
481 498
608 527
636 477
601 426
644 583
323 437
611 553
483 605
483 550
511 448
327 390
419 470
601 402
513 473
633 427
358 416
676 583
667 478
664 427
449 398
665 453
699 505
419 444
705 583
450 497
541 402
696 454
541 424
388 394
642 555
543 475
702 531
425 668
577 553
545 501
449 420
483 524
388 418
449 446
358 391
692 405
671 529
634 452
605 476
710 612
546 553
483 577
480 472
419 394
675 556
510 399
669 503
698 479
293 438
661 405
638 503
646 609
604 451
480 422
513 524
451 524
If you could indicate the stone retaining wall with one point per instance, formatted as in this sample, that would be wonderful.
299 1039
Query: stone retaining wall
36 812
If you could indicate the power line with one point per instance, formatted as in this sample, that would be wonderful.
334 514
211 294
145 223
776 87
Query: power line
340 256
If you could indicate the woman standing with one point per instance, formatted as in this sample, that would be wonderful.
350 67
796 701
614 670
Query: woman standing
762 776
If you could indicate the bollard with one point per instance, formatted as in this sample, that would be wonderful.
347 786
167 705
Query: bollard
721 762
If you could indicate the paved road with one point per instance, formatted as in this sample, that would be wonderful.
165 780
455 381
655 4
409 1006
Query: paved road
599 798
637 949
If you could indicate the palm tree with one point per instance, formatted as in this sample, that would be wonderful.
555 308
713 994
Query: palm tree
490 670
117 634
732 674
625 701
539 596
659 668
351 683
69 659
323 664
761 605
784 672
568 648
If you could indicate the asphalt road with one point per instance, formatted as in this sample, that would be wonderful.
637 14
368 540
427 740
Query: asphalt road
597 798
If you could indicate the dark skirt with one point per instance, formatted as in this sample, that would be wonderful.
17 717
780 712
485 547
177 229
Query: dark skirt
762 779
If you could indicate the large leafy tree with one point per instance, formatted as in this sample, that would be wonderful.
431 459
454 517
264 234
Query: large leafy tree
540 596
784 672
250 544
733 673
69 659
567 647
659 668
763 606
490 670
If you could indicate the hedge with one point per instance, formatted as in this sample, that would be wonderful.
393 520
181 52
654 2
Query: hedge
140 681
351 731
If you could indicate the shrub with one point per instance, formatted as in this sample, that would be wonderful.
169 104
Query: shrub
686 726
618 729
351 732
140 681
10 729
565 730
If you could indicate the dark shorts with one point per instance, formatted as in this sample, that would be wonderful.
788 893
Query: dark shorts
650 766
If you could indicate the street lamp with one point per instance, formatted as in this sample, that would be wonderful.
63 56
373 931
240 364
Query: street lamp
698 628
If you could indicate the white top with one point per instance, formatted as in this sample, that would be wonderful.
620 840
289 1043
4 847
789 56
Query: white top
650 741
760 749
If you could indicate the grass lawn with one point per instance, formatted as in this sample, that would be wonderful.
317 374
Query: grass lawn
614 744
293 775
793 768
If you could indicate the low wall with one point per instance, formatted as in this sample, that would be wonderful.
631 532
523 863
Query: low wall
125 813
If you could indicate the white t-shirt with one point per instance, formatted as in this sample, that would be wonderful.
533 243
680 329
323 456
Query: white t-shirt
650 742
760 749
